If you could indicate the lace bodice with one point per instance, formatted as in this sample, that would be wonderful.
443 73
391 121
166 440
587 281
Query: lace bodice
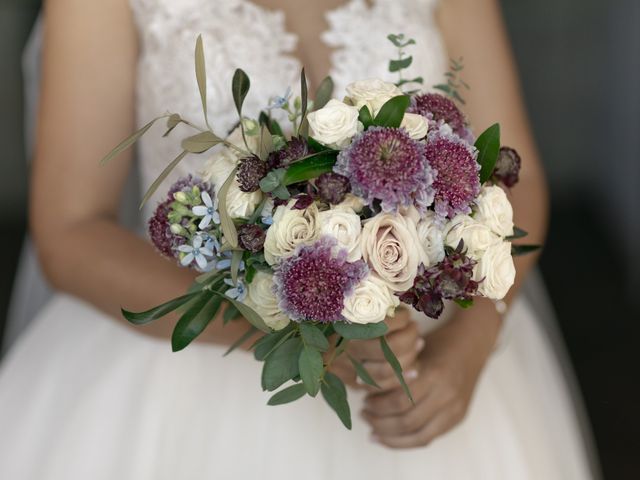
239 33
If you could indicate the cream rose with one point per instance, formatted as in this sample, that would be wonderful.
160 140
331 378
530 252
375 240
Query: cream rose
261 297
477 236
391 247
415 125
351 201
494 210
335 124
217 170
344 225
373 93
495 271
290 228
431 236
371 302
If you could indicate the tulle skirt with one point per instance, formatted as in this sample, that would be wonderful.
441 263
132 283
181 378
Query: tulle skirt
83 397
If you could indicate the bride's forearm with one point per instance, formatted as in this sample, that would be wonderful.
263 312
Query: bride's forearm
110 267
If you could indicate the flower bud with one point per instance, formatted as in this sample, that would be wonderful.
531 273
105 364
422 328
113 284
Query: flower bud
507 167
181 197
251 237
332 187
177 229
250 171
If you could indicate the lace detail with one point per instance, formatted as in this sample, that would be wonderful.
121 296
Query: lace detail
239 33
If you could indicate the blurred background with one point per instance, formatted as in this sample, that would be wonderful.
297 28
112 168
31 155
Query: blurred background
579 62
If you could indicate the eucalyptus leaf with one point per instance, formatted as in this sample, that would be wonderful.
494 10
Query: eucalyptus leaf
165 173
356 331
303 98
404 81
464 302
488 145
282 364
172 122
247 312
127 142
288 395
517 250
395 365
236 258
397 65
323 93
239 88
246 336
313 336
201 76
226 222
311 368
365 117
230 313
266 143
140 318
335 394
194 320
265 345
362 372
517 233
392 112
201 142
281 192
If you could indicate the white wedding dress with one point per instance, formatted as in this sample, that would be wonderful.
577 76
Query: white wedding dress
83 397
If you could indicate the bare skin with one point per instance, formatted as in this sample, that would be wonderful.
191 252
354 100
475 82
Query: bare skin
87 106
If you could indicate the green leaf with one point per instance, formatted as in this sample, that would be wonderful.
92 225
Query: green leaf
488 145
140 318
266 143
362 372
397 65
236 258
272 180
517 250
335 394
355 331
127 142
246 336
304 94
309 168
398 40
201 142
395 365
194 320
464 302
201 76
365 117
230 313
239 88
172 122
154 186
317 147
311 368
313 336
247 312
323 93
288 395
404 81
226 222
282 364
391 113
265 345
517 233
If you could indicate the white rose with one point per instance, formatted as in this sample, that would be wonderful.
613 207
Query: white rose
216 171
391 247
351 201
261 297
494 210
477 236
373 93
371 302
343 224
495 271
431 236
290 228
415 125
335 124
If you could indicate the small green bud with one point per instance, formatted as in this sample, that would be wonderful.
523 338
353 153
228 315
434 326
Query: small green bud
251 127
177 229
181 197
192 228
297 103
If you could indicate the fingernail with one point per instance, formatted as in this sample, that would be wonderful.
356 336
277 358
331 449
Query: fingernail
411 374
419 344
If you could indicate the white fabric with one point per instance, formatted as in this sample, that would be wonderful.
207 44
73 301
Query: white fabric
84 397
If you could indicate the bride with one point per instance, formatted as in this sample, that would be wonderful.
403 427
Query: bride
85 396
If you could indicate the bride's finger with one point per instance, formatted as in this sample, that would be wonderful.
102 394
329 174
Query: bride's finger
394 402
400 341
441 423
384 374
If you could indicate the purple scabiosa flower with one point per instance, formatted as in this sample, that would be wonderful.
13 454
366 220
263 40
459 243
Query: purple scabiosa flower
386 164
313 283
450 279
251 237
507 169
332 187
160 232
437 108
250 171
457 180
293 150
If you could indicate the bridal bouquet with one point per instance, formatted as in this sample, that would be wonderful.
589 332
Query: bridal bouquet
316 233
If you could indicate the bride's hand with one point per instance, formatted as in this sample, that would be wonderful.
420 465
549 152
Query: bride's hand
404 340
448 369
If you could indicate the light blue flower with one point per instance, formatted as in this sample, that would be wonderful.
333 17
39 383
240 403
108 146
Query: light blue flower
208 211
210 242
225 262
279 102
238 291
196 252
266 215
